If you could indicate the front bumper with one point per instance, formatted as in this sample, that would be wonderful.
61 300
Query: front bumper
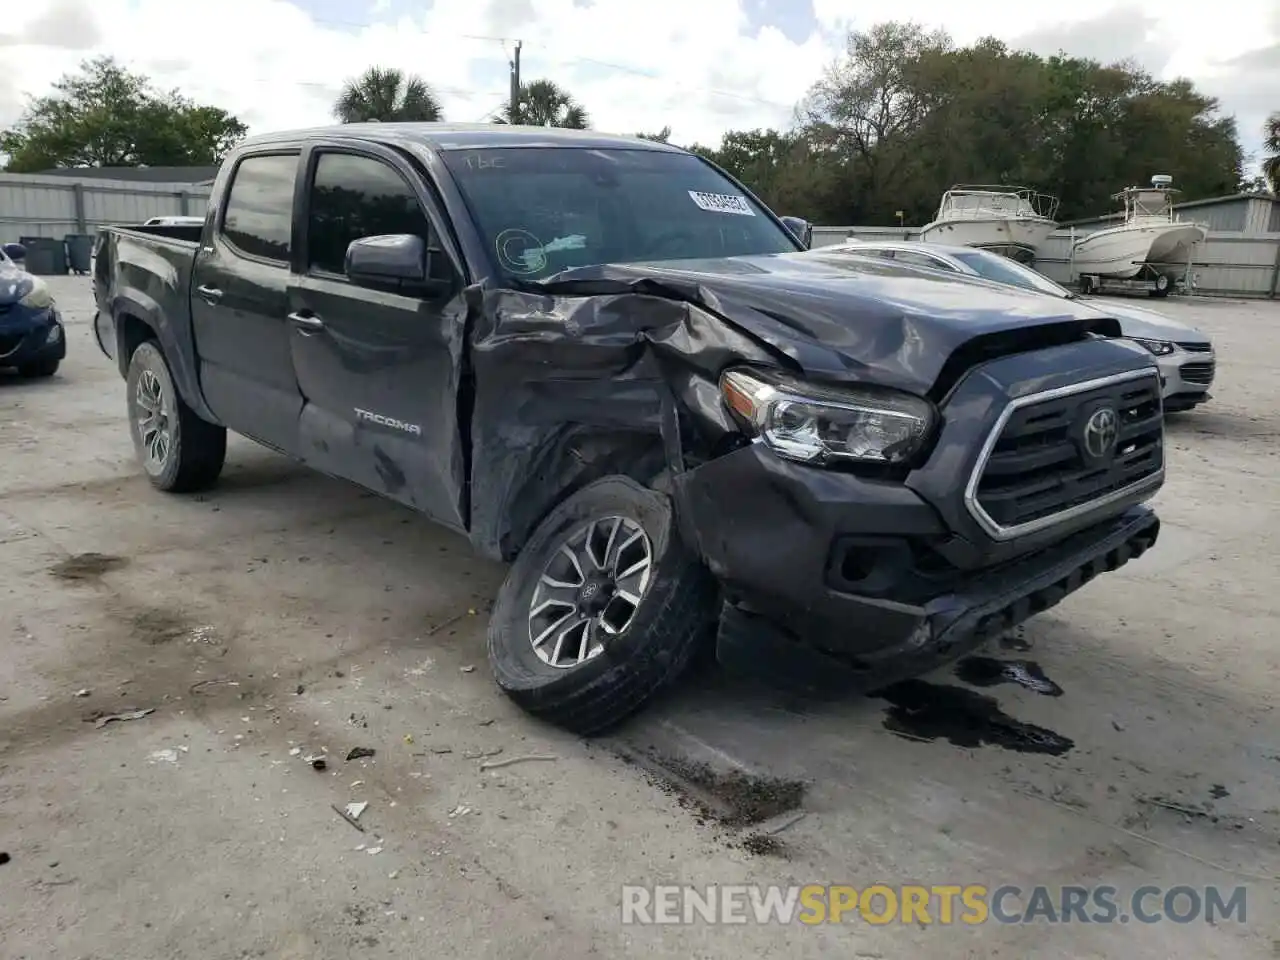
31 338
1186 377
861 570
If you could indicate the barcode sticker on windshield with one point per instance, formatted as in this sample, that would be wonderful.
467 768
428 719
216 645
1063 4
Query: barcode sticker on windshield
722 203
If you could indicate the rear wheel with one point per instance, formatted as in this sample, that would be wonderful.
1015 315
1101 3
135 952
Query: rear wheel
1162 286
603 607
178 451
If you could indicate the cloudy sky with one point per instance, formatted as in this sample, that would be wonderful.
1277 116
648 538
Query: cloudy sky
701 67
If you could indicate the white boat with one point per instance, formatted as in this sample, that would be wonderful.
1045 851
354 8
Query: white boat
1151 243
1013 221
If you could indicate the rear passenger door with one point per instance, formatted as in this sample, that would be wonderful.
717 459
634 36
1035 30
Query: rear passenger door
239 302
378 368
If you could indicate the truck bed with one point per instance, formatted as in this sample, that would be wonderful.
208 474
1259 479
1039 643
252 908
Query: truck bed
144 272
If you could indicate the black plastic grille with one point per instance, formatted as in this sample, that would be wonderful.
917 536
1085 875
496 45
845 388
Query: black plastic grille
9 342
1201 371
1040 466
1197 347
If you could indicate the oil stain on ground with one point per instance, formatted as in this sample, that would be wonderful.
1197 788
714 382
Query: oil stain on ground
927 711
156 626
988 672
86 566
734 799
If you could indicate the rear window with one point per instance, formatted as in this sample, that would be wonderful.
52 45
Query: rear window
992 266
259 209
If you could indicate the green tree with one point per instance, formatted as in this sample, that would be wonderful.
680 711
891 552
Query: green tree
387 95
904 114
545 104
107 116
864 107
1271 143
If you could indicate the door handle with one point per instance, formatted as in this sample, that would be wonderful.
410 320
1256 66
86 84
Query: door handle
209 294
308 321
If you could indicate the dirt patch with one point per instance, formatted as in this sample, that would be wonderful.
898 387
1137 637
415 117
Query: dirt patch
156 626
734 798
920 710
764 845
86 566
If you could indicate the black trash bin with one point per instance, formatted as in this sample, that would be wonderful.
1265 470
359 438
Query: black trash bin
46 256
79 252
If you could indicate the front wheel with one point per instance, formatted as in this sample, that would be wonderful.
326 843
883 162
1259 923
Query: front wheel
603 607
179 451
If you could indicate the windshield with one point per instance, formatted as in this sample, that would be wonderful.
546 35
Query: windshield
542 210
1003 270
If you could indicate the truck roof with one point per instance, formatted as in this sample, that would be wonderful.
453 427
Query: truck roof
466 136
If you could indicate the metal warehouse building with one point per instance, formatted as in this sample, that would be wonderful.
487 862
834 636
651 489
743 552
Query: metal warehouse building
1252 214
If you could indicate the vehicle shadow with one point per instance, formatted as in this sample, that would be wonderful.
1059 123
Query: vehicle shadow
10 378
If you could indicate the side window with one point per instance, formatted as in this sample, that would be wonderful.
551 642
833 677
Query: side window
354 197
259 207
919 260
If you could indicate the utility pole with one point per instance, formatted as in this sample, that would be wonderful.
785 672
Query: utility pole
515 85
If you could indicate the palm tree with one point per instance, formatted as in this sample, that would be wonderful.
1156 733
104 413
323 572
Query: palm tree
1271 142
387 95
544 104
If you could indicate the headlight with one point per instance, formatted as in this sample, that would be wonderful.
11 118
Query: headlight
30 292
1161 348
821 425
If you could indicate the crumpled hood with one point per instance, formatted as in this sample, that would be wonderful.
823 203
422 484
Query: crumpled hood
845 318
1146 324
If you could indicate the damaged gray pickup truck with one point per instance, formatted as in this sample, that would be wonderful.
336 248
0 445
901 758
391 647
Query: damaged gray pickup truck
600 359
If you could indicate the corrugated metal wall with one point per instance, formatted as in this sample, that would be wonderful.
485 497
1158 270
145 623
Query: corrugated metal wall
1228 263
34 206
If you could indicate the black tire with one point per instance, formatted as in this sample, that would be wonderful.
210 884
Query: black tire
195 449
656 646
1162 286
40 369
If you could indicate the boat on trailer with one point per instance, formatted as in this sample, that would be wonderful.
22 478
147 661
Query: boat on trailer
1013 221
1152 248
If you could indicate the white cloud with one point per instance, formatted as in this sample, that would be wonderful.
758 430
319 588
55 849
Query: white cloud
634 65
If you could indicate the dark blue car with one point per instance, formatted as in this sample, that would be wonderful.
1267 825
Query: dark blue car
32 338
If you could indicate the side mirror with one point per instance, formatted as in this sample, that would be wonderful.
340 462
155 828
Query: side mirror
15 251
398 261
801 229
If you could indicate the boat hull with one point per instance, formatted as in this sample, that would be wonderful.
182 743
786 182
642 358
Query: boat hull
1125 252
1017 238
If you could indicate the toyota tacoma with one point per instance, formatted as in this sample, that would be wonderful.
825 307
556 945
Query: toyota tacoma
604 361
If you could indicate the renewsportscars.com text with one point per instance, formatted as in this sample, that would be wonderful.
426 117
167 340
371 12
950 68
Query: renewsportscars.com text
968 905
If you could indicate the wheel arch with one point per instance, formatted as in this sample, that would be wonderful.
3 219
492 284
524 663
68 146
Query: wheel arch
139 319
563 464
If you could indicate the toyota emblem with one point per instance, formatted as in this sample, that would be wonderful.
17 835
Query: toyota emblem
1100 432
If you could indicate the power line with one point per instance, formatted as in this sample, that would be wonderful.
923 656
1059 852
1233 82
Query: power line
419 30
589 61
